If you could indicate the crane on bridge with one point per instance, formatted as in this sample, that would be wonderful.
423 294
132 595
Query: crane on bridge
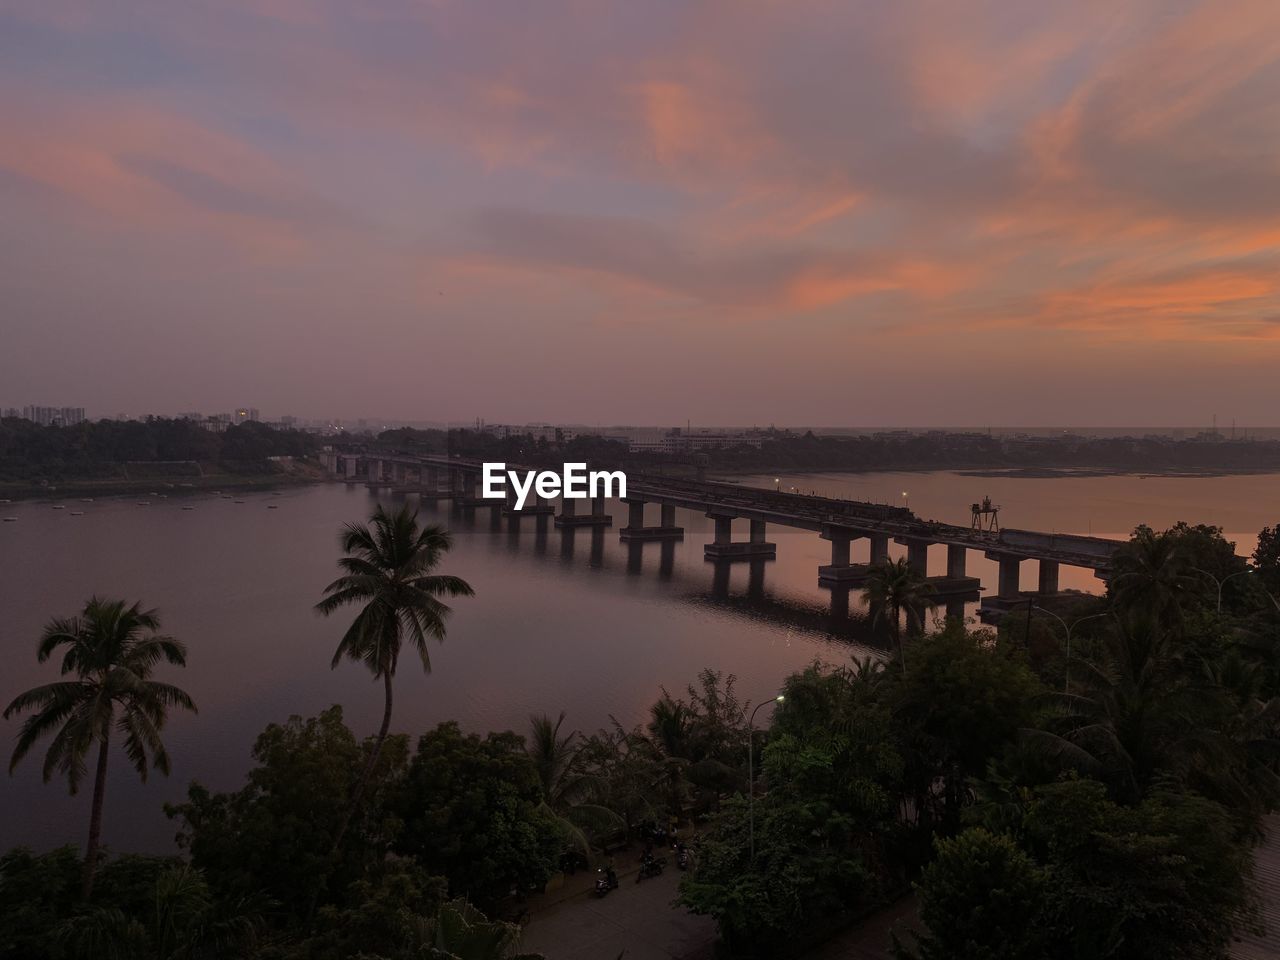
986 516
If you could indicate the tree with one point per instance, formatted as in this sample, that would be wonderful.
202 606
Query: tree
461 932
964 700
1168 878
568 789
111 651
1266 557
271 837
893 588
809 869
388 573
473 812
981 899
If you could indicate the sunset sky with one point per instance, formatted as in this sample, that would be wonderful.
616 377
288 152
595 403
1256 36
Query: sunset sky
890 213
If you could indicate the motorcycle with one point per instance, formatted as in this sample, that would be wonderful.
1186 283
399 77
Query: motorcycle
651 867
683 858
606 881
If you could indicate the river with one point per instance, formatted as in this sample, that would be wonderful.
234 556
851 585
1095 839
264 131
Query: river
559 622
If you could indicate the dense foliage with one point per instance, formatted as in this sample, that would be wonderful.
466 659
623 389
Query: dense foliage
118 449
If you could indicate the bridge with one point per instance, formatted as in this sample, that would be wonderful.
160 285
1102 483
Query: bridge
841 522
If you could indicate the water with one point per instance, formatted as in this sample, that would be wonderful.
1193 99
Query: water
580 623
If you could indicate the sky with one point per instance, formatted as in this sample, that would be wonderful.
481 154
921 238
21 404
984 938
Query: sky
883 212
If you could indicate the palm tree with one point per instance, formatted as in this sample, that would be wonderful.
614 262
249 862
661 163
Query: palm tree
1152 576
567 788
894 587
111 652
388 572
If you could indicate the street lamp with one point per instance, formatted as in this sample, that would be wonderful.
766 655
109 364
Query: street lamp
1221 583
751 772
777 481
907 498
1068 627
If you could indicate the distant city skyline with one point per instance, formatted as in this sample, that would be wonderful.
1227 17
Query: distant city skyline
898 213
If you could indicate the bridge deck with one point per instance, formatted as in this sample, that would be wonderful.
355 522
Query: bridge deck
808 512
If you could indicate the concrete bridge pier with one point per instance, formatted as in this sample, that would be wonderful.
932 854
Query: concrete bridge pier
1048 576
955 608
957 560
569 516
1009 582
840 569
533 506
917 553
635 530
879 546
723 547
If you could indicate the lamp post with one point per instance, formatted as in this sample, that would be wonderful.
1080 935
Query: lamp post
751 772
1068 627
1221 583
906 497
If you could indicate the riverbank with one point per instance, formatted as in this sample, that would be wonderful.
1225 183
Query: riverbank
296 473
1013 473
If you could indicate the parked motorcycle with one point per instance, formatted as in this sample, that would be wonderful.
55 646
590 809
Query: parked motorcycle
684 859
651 866
606 880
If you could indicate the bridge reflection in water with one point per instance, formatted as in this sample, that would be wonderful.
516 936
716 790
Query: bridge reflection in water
840 522
731 585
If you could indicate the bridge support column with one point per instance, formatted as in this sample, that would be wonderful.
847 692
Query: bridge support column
1048 576
840 570
917 554
879 546
636 531
569 516
1010 585
635 514
957 555
723 546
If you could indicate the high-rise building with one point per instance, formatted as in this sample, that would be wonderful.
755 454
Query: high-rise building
50 416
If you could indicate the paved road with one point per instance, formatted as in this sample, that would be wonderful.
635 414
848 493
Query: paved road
634 922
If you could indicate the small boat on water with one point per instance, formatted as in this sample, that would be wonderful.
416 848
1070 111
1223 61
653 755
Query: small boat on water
188 508
272 506
144 503
59 506
77 513
86 499
239 501
10 519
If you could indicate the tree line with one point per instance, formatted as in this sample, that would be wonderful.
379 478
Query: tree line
97 450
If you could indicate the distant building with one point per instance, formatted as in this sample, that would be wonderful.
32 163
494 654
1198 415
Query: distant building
246 415
54 416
